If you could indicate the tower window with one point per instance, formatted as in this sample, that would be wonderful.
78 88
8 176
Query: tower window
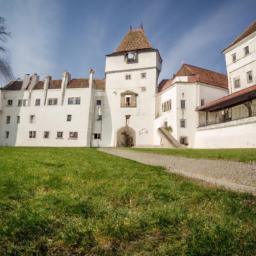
18 119
98 102
131 57
97 136
7 133
128 99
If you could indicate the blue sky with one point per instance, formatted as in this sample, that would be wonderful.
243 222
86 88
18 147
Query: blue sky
52 36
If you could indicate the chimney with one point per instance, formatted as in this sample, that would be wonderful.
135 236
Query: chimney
65 80
91 73
25 82
47 81
33 81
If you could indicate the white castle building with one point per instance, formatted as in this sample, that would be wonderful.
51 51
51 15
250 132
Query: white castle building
196 108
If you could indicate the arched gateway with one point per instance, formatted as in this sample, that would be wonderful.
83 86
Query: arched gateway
126 137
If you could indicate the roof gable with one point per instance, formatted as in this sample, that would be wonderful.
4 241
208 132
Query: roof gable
197 74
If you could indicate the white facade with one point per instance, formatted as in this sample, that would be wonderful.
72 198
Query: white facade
183 120
241 63
128 109
142 80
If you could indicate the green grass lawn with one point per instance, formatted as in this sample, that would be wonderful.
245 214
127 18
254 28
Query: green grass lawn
241 154
84 202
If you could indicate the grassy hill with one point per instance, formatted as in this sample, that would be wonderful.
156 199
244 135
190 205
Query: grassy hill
74 201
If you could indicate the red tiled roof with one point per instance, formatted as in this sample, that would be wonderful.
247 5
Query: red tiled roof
56 84
78 83
13 85
249 30
197 74
39 85
135 39
230 100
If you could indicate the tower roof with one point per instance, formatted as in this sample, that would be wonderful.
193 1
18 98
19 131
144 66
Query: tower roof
135 39
248 31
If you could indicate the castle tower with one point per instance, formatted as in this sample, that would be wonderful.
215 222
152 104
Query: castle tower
132 72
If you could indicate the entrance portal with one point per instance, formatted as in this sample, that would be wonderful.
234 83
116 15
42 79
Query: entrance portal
125 137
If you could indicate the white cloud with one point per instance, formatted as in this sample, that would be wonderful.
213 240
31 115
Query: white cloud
193 46
34 34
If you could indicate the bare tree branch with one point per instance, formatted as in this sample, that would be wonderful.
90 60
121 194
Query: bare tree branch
5 69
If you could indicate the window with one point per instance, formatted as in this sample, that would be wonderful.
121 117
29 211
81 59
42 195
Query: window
165 124
249 76
246 50
97 136
233 57
128 99
143 75
73 135
52 101
202 102
236 82
182 123
69 117
32 118
127 118
183 104
183 140
131 57
74 101
24 103
98 102
19 103
7 133
32 134
9 102
46 135
59 135
18 119
166 106
8 119
37 102
128 77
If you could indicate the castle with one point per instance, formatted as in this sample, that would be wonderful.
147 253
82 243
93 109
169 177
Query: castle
196 108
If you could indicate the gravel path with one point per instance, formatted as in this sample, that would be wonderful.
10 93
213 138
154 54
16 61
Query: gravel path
231 175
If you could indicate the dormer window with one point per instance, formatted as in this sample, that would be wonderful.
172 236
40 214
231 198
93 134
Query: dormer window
128 99
131 57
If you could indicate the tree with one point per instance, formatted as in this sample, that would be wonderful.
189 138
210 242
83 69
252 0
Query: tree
5 69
